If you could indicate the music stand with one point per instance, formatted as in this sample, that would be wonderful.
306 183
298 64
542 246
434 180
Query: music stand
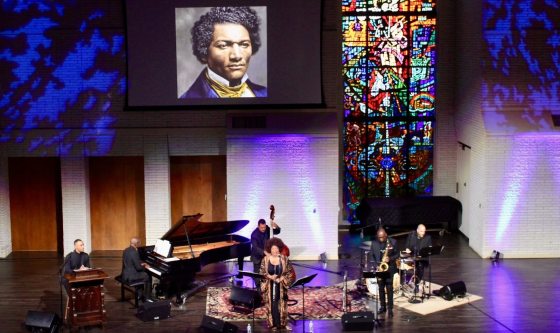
430 251
374 275
255 276
302 282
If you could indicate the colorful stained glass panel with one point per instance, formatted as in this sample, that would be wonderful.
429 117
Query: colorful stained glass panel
389 58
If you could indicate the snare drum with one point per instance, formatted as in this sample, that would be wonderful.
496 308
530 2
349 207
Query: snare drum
405 264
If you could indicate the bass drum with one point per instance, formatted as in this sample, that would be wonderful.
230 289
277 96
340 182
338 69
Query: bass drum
372 287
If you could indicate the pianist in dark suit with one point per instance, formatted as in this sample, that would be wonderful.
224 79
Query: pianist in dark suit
258 240
134 269
75 260
416 241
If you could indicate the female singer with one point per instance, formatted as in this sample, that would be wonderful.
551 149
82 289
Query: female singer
279 275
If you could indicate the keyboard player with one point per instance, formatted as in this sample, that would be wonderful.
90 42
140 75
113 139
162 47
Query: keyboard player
134 269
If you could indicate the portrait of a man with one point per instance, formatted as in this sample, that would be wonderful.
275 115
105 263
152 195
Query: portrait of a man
224 41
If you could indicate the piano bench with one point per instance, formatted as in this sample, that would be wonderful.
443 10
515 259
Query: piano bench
133 287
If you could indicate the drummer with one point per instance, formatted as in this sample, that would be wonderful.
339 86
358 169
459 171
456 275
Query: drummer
416 241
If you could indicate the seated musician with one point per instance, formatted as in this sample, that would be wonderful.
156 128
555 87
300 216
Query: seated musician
134 269
279 275
75 260
384 251
416 241
259 236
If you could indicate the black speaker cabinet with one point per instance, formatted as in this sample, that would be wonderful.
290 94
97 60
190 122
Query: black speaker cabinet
211 324
245 297
452 290
37 321
358 321
149 311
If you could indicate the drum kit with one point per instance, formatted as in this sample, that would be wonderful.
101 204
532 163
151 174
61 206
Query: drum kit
406 263
403 281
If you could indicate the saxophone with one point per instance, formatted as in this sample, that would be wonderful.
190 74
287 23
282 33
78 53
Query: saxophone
383 266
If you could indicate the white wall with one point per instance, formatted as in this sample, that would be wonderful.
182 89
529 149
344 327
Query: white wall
76 218
511 198
297 173
523 186
5 224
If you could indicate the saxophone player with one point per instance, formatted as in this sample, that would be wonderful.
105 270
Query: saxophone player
385 253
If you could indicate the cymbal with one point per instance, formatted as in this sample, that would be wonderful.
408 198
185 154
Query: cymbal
405 255
366 245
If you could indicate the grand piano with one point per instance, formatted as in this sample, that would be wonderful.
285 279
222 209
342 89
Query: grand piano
194 244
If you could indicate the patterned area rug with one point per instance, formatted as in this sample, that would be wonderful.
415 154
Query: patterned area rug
432 304
326 302
425 305
320 303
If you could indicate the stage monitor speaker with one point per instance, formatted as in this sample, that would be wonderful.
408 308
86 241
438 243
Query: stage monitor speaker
149 311
452 290
211 324
245 297
358 321
37 321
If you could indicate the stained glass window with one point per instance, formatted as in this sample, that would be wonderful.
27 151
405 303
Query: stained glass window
389 59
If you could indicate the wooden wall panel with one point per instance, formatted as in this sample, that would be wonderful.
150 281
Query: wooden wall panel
116 201
198 185
35 203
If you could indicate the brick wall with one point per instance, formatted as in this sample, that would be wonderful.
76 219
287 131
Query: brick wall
469 123
510 173
299 174
156 187
76 221
523 177
5 225
445 141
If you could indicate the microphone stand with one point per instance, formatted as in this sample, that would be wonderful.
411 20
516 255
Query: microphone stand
375 275
254 276
344 291
60 277
414 299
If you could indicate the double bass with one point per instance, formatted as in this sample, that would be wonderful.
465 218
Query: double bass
285 250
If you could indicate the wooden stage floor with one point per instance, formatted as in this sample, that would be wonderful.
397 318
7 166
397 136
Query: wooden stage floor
519 295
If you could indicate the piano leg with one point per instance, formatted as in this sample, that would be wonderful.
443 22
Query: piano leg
240 265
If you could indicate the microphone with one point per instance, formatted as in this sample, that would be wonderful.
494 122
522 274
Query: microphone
64 263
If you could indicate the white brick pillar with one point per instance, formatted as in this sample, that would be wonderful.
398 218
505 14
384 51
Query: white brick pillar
156 187
5 223
76 221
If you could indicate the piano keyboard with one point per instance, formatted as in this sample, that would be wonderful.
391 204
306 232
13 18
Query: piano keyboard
155 271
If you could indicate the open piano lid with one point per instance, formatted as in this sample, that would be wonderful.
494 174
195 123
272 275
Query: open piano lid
199 230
